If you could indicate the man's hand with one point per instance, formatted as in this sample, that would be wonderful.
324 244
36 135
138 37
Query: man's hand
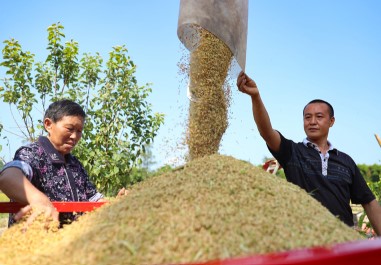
247 85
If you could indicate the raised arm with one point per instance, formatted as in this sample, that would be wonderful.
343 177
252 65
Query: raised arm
247 85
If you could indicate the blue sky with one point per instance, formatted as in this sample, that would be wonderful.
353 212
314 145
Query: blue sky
297 50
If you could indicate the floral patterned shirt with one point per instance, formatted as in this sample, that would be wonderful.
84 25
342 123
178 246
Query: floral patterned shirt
60 178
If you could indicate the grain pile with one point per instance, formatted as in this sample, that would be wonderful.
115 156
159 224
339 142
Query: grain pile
208 68
215 207
18 244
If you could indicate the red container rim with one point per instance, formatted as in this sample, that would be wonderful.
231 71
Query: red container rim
352 253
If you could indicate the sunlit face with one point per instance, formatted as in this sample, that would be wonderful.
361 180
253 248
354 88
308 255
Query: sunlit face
317 121
65 133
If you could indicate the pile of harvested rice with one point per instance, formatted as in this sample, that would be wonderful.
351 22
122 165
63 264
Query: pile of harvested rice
215 207
208 68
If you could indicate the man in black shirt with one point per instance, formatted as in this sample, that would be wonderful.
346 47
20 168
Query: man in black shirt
329 175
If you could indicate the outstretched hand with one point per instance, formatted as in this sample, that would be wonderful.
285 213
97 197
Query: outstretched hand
246 85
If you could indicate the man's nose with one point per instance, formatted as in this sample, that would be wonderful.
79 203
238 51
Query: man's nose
313 120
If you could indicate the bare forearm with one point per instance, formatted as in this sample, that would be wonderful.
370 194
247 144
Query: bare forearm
18 188
373 211
262 120
247 85
261 117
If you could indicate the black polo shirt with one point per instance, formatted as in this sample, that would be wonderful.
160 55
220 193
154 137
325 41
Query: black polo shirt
342 184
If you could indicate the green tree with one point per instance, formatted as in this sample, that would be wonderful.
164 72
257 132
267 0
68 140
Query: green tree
371 173
2 162
120 121
1 148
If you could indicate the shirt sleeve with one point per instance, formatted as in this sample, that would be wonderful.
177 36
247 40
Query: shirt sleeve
28 156
360 191
22 165
96 197
285 151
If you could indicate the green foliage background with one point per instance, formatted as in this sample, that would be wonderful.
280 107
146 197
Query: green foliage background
372 174
120 124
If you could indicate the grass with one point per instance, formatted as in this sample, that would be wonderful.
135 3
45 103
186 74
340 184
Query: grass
3 197
3 216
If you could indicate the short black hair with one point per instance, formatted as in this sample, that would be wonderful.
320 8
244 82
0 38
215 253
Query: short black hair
331 111
64 107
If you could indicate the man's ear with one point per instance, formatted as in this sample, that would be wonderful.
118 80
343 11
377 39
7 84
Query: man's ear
332 121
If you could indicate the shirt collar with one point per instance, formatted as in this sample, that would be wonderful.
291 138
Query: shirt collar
53 154
308 143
